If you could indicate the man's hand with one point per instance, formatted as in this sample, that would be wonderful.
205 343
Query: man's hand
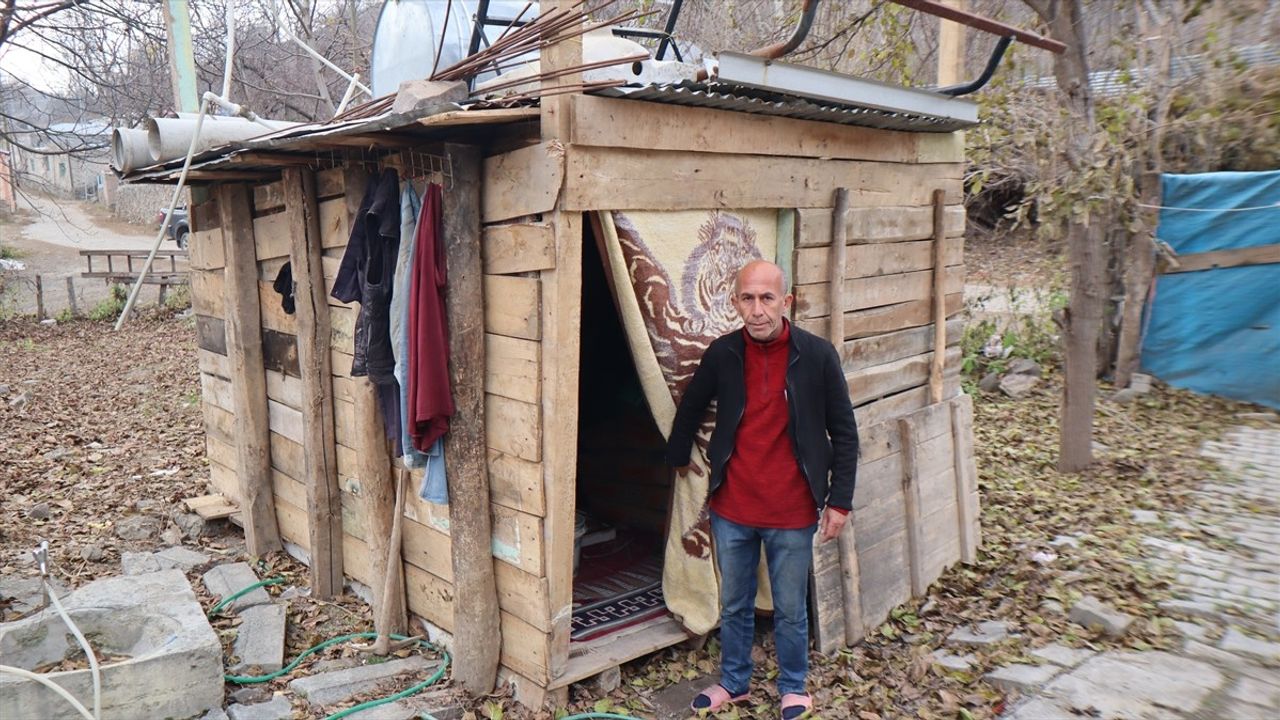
832 523
683 470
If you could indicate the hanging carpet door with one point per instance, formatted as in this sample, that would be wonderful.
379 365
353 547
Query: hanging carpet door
672 274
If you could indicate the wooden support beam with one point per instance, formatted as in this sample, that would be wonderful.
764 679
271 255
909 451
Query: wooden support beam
324 507
1235 257
939 295
851 573
561 334
966 477
248 378
476 637
378 487
911 504
835 265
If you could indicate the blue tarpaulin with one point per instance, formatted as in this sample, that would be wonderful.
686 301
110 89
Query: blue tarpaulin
1218 331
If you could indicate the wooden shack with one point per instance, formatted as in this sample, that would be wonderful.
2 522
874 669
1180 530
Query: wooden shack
538 339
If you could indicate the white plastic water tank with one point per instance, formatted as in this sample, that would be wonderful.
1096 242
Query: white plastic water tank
408 31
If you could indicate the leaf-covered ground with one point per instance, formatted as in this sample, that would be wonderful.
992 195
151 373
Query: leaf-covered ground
97 427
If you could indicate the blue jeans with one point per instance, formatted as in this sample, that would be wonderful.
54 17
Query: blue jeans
789 554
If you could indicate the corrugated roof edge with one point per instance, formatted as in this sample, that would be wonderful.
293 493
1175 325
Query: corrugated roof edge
752 100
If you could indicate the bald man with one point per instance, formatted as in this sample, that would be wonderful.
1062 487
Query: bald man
783 455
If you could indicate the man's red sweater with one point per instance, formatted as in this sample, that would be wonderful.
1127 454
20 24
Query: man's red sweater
763 485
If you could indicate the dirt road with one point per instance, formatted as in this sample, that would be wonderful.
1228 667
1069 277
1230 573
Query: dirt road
49 247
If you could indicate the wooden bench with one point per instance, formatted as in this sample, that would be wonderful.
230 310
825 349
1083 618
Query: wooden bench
123 267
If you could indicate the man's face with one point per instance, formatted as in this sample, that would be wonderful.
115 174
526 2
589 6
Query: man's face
760 300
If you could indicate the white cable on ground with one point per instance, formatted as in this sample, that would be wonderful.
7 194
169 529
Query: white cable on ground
168 218
84 645
28 675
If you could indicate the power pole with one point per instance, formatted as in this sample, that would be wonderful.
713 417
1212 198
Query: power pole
951 49
182 62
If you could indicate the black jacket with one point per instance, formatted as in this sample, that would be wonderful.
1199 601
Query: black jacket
822 427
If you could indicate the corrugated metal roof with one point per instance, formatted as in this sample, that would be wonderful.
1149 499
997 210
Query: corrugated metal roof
724 96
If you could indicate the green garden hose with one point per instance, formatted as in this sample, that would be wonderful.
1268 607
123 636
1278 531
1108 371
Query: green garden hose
255 679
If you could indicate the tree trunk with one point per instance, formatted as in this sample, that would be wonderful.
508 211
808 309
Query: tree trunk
1085 235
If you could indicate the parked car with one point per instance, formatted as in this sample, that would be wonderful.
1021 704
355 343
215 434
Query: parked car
179 227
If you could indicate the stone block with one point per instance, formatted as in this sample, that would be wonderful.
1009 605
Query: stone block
1191 631
278 709
439 704
1257 692
1234 641
1062 655
420 95
954 662
172 660
1135 685
260 639
1097 615
338 685
182 558
987 632
230 578
1041 709
1022 678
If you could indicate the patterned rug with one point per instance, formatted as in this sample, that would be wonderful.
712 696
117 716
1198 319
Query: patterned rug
618 584
603 617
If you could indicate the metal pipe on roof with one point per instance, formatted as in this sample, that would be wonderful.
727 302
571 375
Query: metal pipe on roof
984 24
777 50
992 63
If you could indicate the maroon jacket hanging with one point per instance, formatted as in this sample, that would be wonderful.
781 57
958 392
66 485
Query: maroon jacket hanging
430 398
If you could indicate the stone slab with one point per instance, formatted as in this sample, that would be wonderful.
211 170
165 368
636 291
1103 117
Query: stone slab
439 704
278 709
1061 655
338 685
259 641
954 662
1125 684
985 633
1041 709
174 668
230 578
137 563
1097 615
1255 691
1234 641
1020 677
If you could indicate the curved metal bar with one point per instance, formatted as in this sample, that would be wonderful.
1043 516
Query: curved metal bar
777 50
992 63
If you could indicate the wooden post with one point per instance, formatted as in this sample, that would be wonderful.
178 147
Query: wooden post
951 49
476 636
319 449
911 504
939 297
561 339
966 477
827 585
1139 273
39 297
71 296
378 493
839 225
854 630
248 376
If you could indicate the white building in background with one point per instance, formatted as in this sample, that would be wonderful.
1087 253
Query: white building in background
65 160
